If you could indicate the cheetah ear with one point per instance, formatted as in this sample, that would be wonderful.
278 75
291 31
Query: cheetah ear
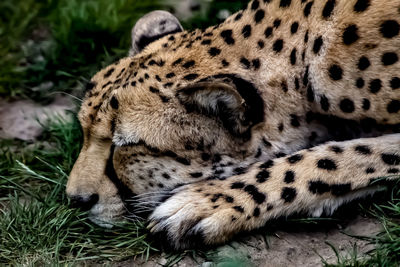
152 27
232 100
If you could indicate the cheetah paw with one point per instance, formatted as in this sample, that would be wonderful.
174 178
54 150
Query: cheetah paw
194 217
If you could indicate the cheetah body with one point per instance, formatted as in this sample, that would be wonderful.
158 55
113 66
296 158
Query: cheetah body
286 107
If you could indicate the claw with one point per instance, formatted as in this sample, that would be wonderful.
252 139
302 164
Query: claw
151 225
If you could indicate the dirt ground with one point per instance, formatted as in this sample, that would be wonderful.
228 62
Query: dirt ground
293 247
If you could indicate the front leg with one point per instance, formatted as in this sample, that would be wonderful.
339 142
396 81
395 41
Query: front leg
310 181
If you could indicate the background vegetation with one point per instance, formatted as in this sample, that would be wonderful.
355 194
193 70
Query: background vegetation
49 46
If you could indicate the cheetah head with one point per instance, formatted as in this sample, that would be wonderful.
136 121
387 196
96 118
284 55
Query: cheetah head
172 112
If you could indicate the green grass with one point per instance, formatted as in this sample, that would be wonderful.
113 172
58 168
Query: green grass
37 226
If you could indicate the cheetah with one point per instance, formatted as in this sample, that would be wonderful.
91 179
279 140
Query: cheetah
285 107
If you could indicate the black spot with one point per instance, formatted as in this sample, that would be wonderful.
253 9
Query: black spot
183 161
164 98
154 90
168 84
133 84
224 63
324 103
239 209
361 5
158 78
328 8
216 158
261 44
255 4
360 83
284 86
213 51
206 42
140 80
191 77
285 3
170 75
370 170
280 155
296 83
239 170
205 156
391 159
390 28
245 62
294 27
293 56
310 93
335 72
256 63
259 15
262 176
395 83
246 31
306 37
347 105
227 36
269 207
256 212
375 86
114 102
336 149
326 164
389 58
215 197
350 35
259 153
278 45
307 9
288 194
176 62
363 63
166 175
280 127
238 16
188 64
267 164
196 174
294 120
256 195
289 177
237 185
366 104
268 32
277 23
393 106
229 199
340 189
108 73
393 170
362 149
170 153
266 142
318 187
295 158
317 44
105 85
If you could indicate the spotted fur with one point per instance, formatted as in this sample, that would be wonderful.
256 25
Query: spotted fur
286 107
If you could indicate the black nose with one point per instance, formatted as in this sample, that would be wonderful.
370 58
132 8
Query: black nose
84 202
